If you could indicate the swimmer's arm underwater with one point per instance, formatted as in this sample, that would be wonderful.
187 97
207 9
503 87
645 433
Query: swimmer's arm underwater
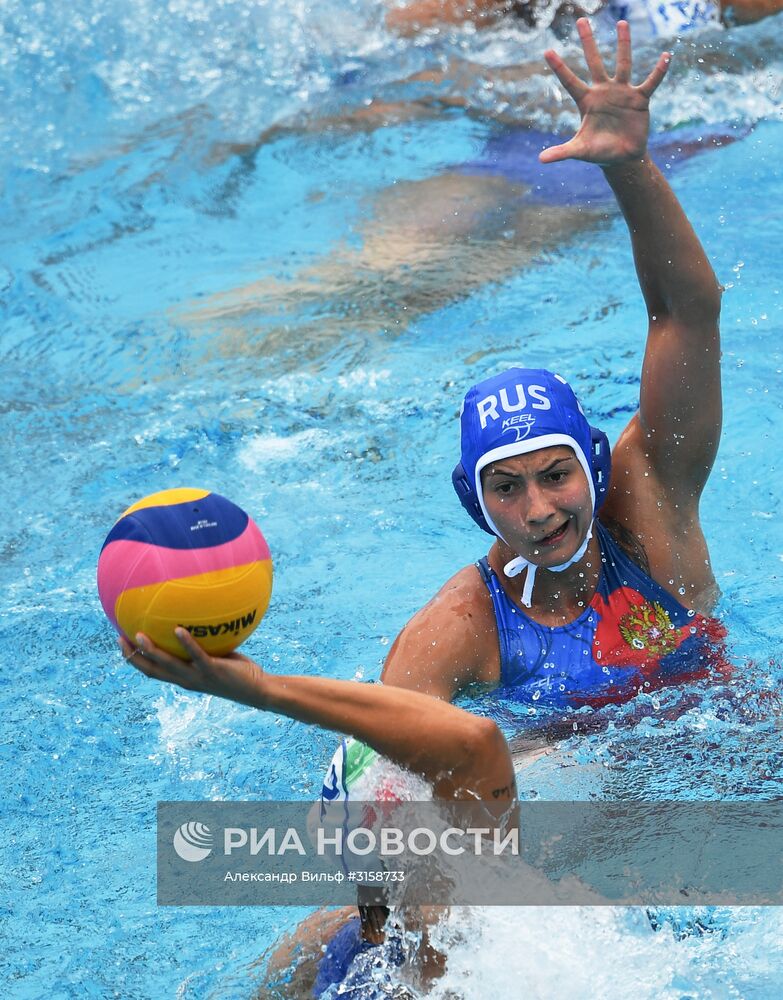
422 14
749 11
463 756
413 17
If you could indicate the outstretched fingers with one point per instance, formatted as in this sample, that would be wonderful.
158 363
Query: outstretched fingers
592 56
570 81
622 70
653 81
565 151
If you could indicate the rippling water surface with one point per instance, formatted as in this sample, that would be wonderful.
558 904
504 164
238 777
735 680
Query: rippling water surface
217 269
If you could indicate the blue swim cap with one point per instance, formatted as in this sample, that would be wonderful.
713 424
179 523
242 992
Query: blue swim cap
519 411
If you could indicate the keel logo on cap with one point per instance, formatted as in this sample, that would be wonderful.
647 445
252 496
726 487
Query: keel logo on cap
520 425
487 408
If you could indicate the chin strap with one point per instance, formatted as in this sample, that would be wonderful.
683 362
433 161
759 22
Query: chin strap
515 567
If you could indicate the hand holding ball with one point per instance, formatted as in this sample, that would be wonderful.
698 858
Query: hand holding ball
185 557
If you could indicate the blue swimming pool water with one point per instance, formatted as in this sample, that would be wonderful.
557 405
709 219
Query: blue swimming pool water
266 325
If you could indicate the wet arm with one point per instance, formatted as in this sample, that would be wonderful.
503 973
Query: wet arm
422 659
424 734
462 755
680 402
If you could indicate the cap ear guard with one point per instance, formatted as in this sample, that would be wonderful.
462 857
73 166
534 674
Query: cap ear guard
468 498
600 464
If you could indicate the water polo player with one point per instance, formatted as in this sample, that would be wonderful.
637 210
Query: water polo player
598 582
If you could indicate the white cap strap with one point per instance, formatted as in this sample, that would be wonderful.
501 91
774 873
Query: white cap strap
515 567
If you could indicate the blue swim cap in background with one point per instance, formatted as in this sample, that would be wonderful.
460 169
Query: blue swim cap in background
519 411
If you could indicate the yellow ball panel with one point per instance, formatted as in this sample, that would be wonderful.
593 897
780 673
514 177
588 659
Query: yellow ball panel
220 608
166 498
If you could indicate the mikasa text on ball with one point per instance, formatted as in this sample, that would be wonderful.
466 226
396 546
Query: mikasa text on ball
185 557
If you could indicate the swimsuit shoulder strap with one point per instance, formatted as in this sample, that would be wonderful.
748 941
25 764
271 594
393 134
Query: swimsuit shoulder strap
507 616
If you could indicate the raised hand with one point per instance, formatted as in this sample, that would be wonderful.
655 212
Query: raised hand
234 676
615 116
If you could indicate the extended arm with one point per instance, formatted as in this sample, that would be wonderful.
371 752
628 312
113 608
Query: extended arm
661 461
462 755
680 396
678 424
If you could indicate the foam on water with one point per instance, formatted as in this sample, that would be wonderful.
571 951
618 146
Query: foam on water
609 953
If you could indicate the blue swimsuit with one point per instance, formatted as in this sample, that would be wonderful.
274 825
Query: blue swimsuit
632 636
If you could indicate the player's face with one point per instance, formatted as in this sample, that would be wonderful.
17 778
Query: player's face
540 503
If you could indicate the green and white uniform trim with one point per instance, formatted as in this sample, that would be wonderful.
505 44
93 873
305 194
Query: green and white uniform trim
348 773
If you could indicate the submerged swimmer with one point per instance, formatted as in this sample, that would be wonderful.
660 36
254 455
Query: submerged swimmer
419 244
648 18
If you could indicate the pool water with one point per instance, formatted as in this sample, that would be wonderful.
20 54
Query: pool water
286 324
